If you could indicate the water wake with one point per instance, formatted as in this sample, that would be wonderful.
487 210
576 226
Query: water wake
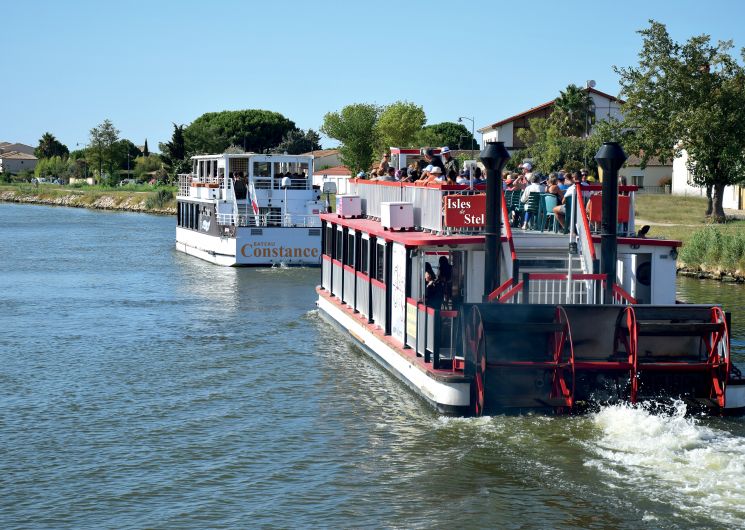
673 459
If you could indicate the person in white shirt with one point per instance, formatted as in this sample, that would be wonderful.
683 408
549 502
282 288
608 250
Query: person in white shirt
534 186
561 209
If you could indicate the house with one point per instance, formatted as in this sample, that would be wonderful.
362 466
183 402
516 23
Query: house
7 147
651 179
733 197
337 174
16 161
606 107
324 158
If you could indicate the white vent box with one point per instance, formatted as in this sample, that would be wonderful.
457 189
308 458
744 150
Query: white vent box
397 215
348 206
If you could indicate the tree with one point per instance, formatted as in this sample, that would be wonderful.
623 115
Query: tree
101 147
124 154
447 133
173 153
398 125
145 150
147 164
254 130
688 98
54 167
573 111
354 127
49 146
296 142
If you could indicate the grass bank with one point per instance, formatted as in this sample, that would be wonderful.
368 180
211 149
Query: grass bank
160 200
713 250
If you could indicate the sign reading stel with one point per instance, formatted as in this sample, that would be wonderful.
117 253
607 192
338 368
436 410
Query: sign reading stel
465 211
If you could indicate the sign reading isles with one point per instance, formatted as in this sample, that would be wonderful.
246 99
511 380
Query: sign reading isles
465 211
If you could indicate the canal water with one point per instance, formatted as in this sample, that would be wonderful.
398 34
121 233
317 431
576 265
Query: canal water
141 388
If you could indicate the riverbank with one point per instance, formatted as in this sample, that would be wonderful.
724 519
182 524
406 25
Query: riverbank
160 201
711 251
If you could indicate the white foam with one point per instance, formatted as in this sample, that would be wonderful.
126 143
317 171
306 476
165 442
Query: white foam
673 459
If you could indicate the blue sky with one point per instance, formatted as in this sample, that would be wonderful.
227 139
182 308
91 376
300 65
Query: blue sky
145 64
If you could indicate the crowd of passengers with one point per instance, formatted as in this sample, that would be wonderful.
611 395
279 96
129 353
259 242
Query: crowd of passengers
561 184
443 169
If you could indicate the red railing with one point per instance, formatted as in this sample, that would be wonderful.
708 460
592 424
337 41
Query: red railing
499 290
621 297
508 229
585 233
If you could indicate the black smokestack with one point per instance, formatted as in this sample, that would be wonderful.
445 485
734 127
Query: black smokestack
494 156
610 157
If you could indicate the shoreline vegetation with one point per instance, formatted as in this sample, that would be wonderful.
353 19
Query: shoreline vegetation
143 199
710 251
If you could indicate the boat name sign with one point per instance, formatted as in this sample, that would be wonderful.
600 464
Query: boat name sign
465 211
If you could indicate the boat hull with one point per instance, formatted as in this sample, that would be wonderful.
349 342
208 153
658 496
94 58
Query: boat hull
449 398
270 246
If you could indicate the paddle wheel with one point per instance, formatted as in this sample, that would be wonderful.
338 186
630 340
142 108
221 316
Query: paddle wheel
519 356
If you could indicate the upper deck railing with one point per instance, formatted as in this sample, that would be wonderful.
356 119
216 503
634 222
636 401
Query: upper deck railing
427 199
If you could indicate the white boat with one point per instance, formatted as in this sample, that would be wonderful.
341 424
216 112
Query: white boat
529 320
250 209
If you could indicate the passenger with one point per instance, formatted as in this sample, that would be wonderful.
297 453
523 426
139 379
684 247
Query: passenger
450 163
384 165
464 178
428 269
434 160
445 277
435 175
433 292
533 187
563 185
561 209
390 176
478 176
361 175
553 187
450 179
426 173
509 184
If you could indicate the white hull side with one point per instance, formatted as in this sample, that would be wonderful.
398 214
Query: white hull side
275 246
436 392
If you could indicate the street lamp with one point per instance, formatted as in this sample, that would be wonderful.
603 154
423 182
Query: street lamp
473 122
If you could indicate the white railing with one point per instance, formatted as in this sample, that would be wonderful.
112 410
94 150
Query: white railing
580 222
275 183
269 219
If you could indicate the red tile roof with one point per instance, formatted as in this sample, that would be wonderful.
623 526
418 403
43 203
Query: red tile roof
545 106
337 171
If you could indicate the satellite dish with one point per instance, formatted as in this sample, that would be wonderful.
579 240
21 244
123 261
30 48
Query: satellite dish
591 83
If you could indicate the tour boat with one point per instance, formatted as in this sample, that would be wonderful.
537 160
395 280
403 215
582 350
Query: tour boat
250 209
539 319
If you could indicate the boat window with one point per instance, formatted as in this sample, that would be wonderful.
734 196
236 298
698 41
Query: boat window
380 262
239 165
364 256
329 250
339 245
349 259
201 169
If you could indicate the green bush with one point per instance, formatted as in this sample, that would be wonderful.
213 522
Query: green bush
159 199
713 248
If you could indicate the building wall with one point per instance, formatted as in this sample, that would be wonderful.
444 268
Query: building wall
683 185
11 165
326 161
652 174
342 181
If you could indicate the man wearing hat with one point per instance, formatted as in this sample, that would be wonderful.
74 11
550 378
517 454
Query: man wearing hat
451 164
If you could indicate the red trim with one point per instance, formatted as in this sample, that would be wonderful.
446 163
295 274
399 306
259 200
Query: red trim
430 311
377 283
408 354
448 314
362 276
512 292
618 290
336 262
326 257
348 268
409 239
499 290
585 223
411 301
399 151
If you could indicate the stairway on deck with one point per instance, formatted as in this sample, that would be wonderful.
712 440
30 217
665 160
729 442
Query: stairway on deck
544 252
